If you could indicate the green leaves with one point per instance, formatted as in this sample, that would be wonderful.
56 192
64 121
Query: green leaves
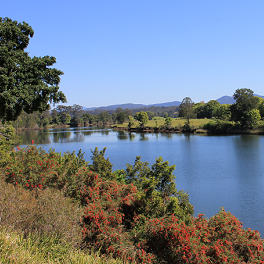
142 117
242 112
158 193
26 83
186 108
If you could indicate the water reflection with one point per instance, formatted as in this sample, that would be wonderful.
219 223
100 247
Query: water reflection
131 136
143 137
122 135
105 132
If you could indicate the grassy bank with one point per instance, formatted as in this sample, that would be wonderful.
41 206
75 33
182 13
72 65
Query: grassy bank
38 249
176 122
200 125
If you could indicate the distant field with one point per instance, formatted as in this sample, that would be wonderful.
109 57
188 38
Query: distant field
175 122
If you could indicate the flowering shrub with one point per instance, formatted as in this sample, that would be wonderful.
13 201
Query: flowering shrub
141 218
33 168
220 239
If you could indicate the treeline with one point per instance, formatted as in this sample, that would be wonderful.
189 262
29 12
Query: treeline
246 112
75 116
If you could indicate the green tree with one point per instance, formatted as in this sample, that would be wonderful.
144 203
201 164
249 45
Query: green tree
104 117
168 121
211 108
241 110
158 192
8 140
26 83
101 165
114 115
224 112
186 109
199 109
121 115
261 107
88 118
142 117
150 115
67 119
130 121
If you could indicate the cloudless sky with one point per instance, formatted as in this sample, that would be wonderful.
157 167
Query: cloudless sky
147 51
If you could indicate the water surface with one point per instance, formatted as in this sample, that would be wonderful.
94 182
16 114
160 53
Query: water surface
217 171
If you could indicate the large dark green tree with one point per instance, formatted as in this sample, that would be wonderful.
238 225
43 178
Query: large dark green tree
245 110
26 83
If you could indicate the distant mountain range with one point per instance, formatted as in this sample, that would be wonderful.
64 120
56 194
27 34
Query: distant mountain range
222 100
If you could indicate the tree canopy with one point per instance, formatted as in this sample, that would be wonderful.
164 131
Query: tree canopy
142 117
186 108
26 83
242 110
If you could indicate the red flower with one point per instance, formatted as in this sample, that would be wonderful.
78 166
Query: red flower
32 141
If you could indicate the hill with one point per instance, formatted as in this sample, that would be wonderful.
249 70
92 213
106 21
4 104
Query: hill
222 100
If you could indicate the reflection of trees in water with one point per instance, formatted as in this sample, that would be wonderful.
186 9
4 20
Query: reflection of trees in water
65 137
122 135
87 133
167 135
39 137
143 137
131 136
61 137
105 132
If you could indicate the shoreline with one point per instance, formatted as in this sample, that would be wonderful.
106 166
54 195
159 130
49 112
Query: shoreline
193 131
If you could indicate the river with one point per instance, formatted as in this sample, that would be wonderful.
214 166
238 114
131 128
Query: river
217 171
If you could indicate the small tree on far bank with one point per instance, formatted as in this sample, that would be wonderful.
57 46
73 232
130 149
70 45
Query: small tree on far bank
130 121
142 117
187 109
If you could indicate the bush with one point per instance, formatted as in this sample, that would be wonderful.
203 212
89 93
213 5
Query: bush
219 126
139 217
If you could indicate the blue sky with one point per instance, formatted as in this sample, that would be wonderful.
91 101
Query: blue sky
147 51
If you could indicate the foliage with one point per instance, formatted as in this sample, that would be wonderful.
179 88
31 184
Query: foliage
121 115
219 126
104 117
142 117
26 83
220 239
186 127
241 110
8 140
261 107
101 165
253 117
150 115
168 122
141 217
158 194
186 108
208 110
130 121
48 212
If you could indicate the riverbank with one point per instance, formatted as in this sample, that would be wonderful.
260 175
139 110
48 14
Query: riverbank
198 126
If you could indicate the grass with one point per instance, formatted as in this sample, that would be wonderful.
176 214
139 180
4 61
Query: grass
38 249
176 122
41 229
